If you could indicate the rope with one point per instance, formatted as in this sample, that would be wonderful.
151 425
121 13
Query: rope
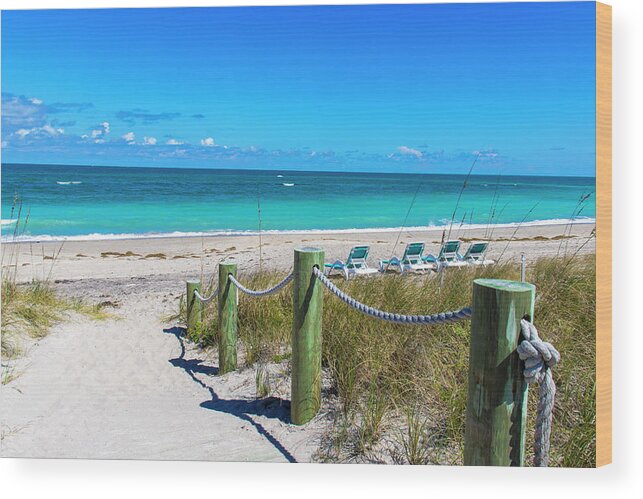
263 292
443 318
539 357
209 298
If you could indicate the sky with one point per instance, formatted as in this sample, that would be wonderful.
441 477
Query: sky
389 88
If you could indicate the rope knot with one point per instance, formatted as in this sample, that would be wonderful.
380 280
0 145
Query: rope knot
539 358
538 355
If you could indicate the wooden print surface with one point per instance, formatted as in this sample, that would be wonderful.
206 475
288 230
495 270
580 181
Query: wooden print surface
603 234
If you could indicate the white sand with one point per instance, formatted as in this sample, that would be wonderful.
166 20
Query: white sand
189 257
126 388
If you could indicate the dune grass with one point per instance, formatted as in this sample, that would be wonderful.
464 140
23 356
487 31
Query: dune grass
32 309
401 390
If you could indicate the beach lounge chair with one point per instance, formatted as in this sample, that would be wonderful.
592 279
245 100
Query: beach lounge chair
412 259
475 254
354 265
449 256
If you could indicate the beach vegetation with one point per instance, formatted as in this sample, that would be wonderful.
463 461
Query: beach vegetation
31 308
400 392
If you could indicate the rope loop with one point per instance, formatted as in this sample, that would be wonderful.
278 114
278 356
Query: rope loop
208 299
539 358
442 318
263 292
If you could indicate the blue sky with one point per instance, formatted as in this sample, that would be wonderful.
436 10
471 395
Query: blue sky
421 88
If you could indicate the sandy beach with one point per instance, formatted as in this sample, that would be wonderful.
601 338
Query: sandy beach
132 387
189 257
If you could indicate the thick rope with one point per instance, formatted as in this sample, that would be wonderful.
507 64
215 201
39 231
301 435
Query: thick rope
539 357
263 292
209 298
443 318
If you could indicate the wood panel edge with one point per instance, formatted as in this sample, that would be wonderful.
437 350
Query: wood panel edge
603 234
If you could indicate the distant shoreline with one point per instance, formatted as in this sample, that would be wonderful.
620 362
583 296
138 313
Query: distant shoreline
457 227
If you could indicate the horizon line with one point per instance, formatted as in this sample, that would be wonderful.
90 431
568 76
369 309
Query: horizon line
297 171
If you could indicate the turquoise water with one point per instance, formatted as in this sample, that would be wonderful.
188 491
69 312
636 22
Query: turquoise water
103 202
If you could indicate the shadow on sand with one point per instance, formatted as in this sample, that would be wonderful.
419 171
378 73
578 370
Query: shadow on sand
271 407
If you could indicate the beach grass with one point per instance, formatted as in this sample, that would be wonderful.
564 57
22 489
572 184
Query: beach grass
401 391
32 309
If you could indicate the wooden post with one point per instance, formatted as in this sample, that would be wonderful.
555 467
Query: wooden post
306 336
497 399
228 318
194 306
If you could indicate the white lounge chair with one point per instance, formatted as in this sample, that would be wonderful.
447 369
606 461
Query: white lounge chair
449 256
412 260
475 254
354 265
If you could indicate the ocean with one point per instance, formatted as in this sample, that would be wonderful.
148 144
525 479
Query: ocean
90 202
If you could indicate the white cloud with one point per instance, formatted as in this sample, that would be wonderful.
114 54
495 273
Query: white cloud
208 142
21 113
129 137
408 151
149 141
103 130
35 101
52 131
40 131
174 142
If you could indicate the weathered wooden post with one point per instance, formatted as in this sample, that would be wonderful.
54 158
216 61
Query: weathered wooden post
194 307
308 296
497 400
228 318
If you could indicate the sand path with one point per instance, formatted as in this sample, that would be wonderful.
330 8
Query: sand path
131 388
